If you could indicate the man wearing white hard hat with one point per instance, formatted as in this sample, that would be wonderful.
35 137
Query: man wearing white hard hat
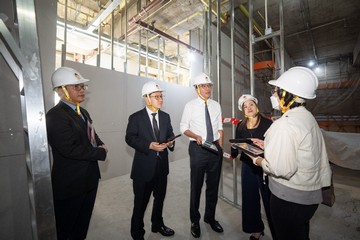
253 182
202 123
295 156
148 131
76 149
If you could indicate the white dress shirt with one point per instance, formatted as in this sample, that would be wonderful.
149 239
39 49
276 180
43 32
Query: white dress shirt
193 118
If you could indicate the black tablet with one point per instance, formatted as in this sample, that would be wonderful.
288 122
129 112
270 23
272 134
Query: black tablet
250 149
210 146
241 140
171 139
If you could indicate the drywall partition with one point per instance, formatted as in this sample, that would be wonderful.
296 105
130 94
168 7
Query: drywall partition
112 97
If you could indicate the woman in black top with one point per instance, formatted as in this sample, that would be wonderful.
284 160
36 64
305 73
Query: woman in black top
252 179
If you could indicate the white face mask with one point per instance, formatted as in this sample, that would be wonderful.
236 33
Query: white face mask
274 103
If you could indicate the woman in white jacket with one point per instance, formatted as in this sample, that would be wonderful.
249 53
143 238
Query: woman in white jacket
295 156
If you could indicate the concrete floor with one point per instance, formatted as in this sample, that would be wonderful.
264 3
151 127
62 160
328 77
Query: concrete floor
113 208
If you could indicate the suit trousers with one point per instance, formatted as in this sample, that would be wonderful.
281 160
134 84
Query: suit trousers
73 215
142 191
204 162
291 220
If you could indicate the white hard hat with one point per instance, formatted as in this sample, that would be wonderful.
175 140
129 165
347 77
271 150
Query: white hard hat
150 87
202 78
300 81
66 76
244 98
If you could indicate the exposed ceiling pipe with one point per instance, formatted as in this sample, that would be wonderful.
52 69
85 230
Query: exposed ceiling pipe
145 11
256 26
130 31
179 23
103 14
167 36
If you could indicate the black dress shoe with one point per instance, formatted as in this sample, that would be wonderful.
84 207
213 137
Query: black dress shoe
163 230
254 238
195 230
215 225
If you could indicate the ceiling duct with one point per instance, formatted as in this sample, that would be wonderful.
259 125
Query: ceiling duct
165 35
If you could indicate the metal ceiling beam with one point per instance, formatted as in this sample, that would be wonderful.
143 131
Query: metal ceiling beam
167 36
179 23
146 10
317 27
109 7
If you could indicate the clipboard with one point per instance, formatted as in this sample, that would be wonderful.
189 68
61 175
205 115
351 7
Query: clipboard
248 148
170 139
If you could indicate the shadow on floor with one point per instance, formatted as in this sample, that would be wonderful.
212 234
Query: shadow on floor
113 208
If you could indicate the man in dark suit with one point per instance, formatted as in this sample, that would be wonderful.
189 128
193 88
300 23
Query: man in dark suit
147 132
76 149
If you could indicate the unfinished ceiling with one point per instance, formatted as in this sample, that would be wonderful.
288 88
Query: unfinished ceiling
325 31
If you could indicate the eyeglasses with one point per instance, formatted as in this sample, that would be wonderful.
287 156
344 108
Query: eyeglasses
79 87
158 97
205 85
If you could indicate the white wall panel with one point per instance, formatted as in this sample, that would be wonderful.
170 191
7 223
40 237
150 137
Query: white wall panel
112 96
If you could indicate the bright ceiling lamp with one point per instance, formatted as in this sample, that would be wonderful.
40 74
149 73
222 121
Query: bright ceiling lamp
311 63
191 57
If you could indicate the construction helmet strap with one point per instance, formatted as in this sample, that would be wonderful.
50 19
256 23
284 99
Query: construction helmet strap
148 103
201 96
68 98
282 102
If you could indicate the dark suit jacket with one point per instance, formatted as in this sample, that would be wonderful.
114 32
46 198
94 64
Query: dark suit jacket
139 135
75 168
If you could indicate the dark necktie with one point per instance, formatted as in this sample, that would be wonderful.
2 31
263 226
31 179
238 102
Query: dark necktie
209 130
155 127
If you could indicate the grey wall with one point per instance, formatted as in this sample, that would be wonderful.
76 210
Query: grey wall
112 97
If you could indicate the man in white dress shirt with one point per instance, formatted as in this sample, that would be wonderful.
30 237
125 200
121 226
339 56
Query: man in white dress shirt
202 122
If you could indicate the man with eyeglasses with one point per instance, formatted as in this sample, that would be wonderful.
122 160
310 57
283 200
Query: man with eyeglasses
76 149
147 132
202 123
